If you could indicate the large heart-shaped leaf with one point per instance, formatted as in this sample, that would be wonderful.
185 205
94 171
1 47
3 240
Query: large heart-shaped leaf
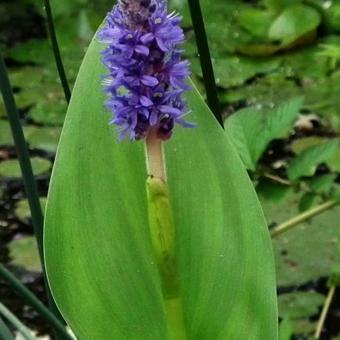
98 254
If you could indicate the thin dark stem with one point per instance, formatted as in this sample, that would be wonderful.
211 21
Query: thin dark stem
205 59
56 51
23 155
33 301
5 333
26 169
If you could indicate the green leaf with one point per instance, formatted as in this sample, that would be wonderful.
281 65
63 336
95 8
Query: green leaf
98 252
299 305
22 209
322 184
45 138
293 23
306 163
251 130
11 168
307 201
5 133
308 251
299 308
23 252
256 21
285 329
272 190
302 144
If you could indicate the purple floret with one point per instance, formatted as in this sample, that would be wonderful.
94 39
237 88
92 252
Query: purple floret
146 77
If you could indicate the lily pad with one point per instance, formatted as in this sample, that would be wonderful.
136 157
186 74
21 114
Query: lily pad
2 108
10 168
256 21
44 138
307 251
52 111
37 50
5 133
293 23
297 305
22 209
40 92
23 252
234 71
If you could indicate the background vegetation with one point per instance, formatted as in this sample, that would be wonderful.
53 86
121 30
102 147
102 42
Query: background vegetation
277 67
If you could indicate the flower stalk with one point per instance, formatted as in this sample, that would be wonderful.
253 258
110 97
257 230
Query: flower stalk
155 156
162 233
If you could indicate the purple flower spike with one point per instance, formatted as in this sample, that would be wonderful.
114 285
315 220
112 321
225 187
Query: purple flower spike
146 77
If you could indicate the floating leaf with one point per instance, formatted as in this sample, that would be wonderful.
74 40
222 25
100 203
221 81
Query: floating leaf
256 21
11 169
293 23
308 251
45 138
22 209
234 71
23 252
5 133
299 305
98 254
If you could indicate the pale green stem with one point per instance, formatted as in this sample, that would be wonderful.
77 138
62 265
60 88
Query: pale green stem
162 232
155 161
7 314
303 217
324 312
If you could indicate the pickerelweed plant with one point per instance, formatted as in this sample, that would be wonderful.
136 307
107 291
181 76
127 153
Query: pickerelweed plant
145 84
189 259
